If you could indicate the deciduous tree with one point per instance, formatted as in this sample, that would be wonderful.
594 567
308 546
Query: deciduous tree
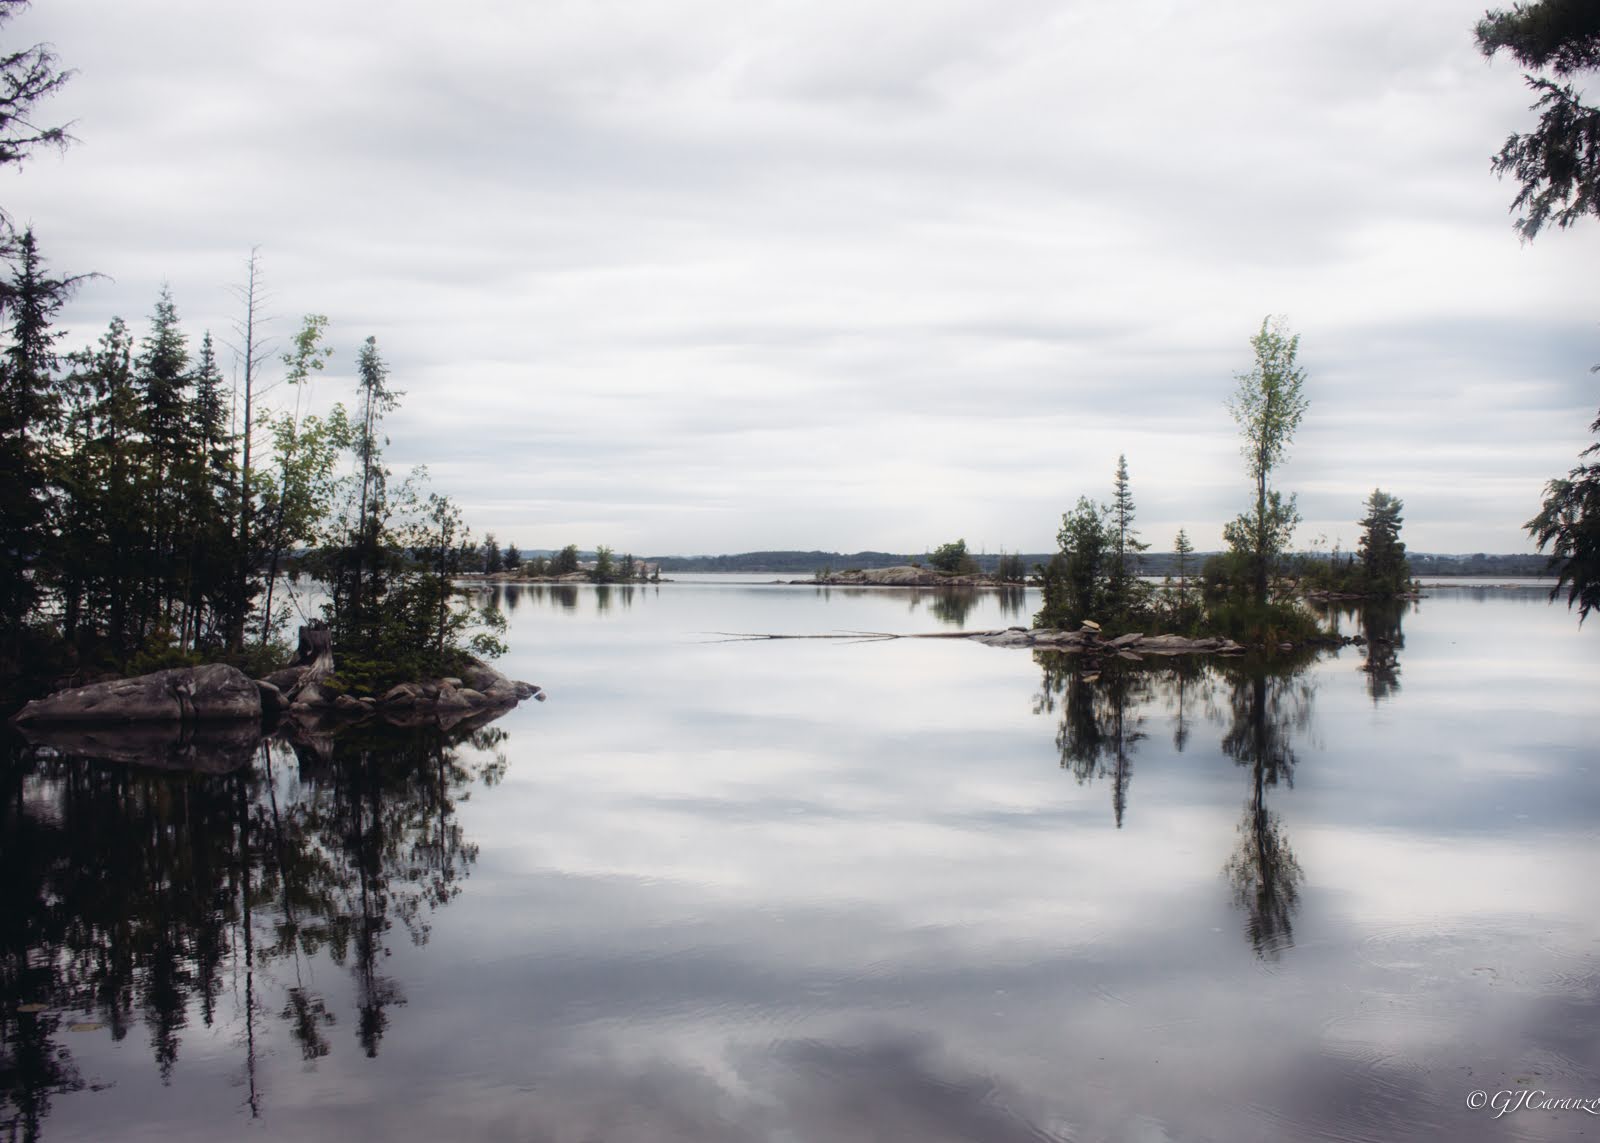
1267 405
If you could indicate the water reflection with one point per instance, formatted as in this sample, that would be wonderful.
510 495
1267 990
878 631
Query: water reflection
1268 711
1378 627
1101 720
1264 710
132 896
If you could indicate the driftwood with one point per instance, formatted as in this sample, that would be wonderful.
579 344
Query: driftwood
850 636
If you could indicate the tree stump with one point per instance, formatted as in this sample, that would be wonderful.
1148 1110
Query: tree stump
315 652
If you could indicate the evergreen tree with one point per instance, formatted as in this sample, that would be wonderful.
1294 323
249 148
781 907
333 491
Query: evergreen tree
161 374
1569 525
30 417
1123 586
604 568
1557 164
1383 556
565 562
513 558
493 559
1184 550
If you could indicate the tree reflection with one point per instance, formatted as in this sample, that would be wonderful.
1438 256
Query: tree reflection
1100 720
1264 708
134 895
951 606
1268 711
1013 601
1381 626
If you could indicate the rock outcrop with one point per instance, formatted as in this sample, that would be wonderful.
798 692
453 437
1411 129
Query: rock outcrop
903 576
479 688
211 693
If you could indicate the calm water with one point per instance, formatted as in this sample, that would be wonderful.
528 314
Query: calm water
836 891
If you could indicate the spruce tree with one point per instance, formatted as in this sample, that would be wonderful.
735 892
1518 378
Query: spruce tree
1123 584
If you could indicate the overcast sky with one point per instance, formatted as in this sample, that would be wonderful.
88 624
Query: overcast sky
723 275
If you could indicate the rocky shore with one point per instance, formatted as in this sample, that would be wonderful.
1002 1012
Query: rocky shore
220 694
903 576
1135 646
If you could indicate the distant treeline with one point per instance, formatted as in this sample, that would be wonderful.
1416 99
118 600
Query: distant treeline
1151 563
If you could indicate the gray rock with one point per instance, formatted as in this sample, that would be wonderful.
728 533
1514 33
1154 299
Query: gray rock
403 694
210 693
272 699
287 679
1125 640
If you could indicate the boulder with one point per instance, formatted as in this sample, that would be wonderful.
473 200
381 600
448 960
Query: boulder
214 692
403 695
1128 640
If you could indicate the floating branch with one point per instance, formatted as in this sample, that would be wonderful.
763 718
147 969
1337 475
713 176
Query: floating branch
853 636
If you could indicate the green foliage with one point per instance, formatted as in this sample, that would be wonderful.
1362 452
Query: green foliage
1557 164
952 559
1011 568
1074 581
1126 594
390 560
493 560
1267 624
1267 405
513 558
1383 556
605 568
1568 524
565 562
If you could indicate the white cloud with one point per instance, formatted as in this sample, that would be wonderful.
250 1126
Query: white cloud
716 276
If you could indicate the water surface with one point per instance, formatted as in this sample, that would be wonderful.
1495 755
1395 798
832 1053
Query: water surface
841 890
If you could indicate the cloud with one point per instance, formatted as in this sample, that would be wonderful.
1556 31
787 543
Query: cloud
934 268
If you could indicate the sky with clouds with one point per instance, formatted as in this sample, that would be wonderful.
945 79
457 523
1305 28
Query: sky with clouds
717 276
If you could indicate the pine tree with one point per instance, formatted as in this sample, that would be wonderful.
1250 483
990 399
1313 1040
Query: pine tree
30 418
1184 550
1123 586
1383 556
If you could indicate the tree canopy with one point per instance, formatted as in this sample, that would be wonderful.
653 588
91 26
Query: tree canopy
1557 164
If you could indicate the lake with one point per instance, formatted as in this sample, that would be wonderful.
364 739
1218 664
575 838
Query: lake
841 890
